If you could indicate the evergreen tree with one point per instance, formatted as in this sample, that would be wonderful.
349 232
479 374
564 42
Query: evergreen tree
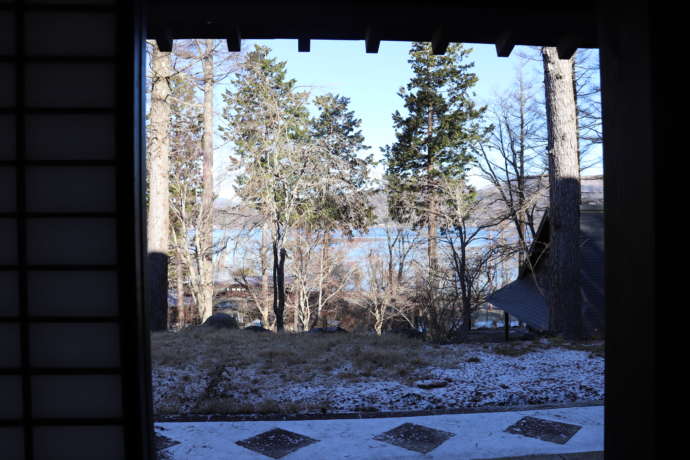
267 121
338 128
434 139
337 131
297 172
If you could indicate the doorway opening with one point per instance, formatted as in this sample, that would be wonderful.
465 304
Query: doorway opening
336 248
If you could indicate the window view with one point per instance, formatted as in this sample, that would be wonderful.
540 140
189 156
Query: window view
336 235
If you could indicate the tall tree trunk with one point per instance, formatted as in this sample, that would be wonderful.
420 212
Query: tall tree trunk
206 228
564 211
181 307
265 317
158 218
432 220
279 255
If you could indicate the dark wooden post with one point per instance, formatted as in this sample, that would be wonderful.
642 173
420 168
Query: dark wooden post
506 324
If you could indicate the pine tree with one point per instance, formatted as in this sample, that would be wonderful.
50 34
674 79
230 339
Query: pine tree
434 139
339 129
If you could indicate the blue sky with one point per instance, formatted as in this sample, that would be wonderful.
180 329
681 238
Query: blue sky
371 81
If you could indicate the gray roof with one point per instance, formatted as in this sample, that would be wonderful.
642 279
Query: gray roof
522 299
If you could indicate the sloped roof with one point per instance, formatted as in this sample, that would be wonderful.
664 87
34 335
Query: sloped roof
522 299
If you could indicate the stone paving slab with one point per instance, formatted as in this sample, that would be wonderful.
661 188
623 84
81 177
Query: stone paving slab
576 456
475 436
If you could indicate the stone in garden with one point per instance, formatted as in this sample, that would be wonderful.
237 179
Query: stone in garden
430 383
326 330
221 321
256 329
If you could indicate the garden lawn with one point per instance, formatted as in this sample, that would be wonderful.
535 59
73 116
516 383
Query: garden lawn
236 372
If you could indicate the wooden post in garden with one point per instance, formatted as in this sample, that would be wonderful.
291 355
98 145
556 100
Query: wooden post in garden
506 324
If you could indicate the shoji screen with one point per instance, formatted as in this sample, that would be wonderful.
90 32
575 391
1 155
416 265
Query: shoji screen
72 378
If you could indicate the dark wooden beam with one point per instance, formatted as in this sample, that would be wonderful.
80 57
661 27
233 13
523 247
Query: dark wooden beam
235 41
303 45
372 40
164 44
505 44
439 42
506 325
566 47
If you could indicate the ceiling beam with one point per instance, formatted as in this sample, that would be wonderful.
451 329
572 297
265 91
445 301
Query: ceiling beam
566 47
439 41
303 45
505 44
372 40
164 44
235 41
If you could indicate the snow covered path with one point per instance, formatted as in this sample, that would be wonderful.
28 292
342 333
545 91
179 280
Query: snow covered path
469 436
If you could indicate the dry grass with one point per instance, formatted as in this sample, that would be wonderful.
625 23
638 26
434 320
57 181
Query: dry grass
206 371
215 356
519 348
285 353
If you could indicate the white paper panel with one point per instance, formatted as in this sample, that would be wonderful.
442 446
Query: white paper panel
10 397
8 143
70 85
76 396
71 34
78 443
8 190
70 137
75 345
9 344
65 189
9 292
7 88
8 241
12 442
7 34
53 293
71 241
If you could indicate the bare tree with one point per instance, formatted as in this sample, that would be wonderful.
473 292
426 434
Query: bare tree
588 99
200 64
564 186
388 292
513 159
254 273
473 243
318 273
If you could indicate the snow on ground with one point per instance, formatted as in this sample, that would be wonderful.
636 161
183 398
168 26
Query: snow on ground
472 375
476 436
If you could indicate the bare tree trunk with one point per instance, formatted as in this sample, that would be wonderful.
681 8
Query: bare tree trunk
181 307
564 212
432 220
279 256
157 225
206 227
265 317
